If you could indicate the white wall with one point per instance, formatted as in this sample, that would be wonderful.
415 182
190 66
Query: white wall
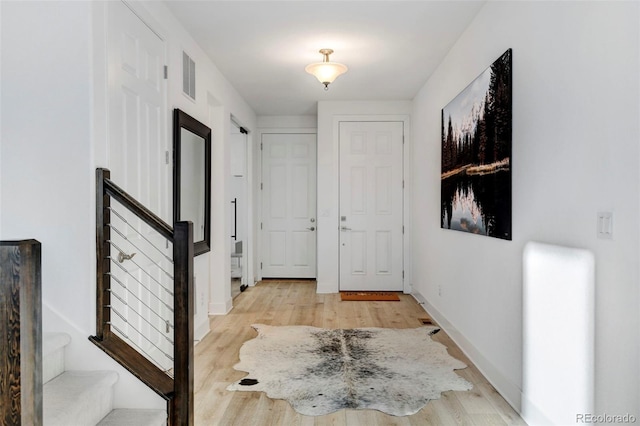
46 172
575 152
287 122
53 126
328 168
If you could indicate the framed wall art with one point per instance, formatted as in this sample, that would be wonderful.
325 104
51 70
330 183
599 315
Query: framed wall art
476 155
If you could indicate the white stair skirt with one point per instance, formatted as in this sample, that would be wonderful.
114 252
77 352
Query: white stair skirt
558 334
84 398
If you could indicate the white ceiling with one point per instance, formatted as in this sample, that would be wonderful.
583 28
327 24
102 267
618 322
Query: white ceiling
391 47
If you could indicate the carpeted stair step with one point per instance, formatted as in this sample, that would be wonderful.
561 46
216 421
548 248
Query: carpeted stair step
53 345
130 417
78 398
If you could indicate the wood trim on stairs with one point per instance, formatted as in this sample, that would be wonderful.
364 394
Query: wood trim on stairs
136 364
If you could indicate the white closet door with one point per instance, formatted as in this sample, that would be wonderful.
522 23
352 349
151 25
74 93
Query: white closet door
289 205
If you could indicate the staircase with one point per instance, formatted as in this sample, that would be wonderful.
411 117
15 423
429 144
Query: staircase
79 398
35 388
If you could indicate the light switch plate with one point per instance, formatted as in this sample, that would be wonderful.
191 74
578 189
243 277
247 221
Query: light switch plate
605 225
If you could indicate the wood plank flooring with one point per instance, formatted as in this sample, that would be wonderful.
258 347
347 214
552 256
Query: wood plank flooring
296 303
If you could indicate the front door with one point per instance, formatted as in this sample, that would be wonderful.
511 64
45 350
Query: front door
289 205
371 206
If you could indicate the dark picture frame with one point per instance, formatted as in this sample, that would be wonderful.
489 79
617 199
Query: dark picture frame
192 177
476 140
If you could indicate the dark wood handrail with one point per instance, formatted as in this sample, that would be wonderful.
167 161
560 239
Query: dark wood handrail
177 391
135 207
137 364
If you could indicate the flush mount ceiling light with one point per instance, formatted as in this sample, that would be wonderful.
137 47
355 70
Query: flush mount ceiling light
326 71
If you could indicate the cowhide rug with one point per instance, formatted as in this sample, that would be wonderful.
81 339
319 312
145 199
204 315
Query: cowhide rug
319 371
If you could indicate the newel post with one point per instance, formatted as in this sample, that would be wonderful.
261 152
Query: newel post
181 410
21 331
103 264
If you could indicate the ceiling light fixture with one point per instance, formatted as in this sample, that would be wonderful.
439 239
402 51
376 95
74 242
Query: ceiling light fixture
326 71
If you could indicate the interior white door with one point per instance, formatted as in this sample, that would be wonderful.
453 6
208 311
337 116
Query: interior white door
289 205
371 206
137 142
137 147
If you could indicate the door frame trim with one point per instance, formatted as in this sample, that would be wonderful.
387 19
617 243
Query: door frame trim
406 176
258 181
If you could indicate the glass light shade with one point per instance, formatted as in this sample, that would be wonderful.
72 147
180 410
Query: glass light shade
326 72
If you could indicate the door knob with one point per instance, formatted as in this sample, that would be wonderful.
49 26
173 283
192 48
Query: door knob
313 228
344 228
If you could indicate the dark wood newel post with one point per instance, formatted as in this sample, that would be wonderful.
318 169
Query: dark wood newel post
181 409
21 331
103 265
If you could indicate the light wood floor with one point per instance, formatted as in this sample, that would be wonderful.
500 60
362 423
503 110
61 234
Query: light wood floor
296 303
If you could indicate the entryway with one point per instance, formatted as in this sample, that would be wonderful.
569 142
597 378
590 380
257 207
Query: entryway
297 303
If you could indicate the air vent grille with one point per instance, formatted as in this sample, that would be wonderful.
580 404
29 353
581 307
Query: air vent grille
188 76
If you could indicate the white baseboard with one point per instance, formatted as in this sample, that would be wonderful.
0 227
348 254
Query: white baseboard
323 287
221 308
532 415
201 331
509 390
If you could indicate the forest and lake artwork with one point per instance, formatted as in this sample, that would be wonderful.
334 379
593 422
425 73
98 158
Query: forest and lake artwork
476 155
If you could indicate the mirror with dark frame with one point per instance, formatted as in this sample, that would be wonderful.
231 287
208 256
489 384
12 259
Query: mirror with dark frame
192 177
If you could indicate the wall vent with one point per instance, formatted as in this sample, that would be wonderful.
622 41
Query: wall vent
188 76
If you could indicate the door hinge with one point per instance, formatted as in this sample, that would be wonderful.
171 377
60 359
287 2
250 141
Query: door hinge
260 225
260 146
403 184
260 265
403 229
261 186
166 157
403 275
166 72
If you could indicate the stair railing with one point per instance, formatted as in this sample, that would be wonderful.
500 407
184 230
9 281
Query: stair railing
144 309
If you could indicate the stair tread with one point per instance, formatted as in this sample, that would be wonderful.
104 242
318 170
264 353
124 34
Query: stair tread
134 417
68 394
54 341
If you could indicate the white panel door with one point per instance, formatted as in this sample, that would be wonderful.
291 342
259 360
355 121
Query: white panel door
289 205
137 143
371 206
